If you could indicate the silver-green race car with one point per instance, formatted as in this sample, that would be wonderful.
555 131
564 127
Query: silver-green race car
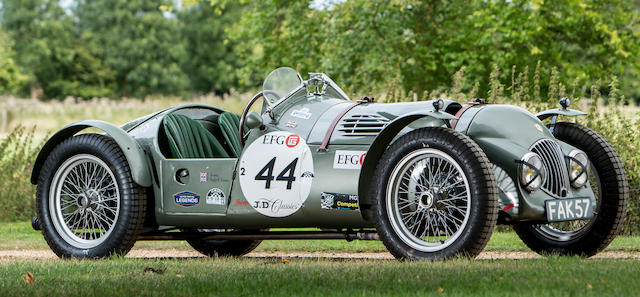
429 179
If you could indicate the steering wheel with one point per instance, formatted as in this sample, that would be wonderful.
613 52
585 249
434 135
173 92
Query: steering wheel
244 114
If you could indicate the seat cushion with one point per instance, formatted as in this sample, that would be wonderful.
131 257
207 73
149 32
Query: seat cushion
229 123
189 140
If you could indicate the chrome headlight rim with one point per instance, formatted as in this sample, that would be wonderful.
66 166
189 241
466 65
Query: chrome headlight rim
527 162
579 160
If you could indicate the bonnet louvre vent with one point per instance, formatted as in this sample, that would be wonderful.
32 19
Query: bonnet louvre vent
362 125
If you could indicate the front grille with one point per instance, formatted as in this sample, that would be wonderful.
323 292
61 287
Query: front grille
362 125
557 178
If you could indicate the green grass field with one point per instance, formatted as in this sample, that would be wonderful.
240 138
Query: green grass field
305 277
271 276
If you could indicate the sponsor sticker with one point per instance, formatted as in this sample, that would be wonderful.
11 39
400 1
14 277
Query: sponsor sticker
240 202
291 124
339 201
213 177
276 173
186 199
215 196
302 113
275 206
292 140
203 177
348 159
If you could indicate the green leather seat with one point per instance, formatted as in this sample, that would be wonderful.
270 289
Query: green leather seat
188 139
229 123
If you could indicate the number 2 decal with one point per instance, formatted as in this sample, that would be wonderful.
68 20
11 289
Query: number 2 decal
266 173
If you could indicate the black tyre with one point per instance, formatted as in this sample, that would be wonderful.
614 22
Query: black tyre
222 248
87 203
434 196
608 180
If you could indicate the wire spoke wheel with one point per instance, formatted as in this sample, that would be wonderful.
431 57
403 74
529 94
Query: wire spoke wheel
428 200
85 201
608 182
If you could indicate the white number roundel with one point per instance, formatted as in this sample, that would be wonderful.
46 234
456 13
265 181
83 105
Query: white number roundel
276 172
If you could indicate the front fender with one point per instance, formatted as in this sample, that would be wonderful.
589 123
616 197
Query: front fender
132 151
560 111
384 139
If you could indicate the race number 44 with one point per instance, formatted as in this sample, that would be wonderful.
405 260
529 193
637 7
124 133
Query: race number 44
266 173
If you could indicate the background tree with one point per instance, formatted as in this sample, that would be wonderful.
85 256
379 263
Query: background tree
11 78
210 60
138 43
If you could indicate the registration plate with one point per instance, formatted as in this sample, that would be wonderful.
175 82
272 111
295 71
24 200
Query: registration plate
568 209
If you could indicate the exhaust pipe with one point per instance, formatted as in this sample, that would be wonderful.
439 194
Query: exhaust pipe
269 235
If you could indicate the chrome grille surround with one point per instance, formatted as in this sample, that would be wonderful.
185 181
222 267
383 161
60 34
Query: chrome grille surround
556 181
362 125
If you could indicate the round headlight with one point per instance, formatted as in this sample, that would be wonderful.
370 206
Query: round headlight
578 163
531 171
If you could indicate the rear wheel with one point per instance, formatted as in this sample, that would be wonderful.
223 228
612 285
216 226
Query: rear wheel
222 248
434 196
608 181
87 203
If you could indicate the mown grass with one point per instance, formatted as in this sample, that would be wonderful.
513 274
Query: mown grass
274 276
20 236
556 276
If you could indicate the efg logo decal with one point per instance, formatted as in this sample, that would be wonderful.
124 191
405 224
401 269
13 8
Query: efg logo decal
348 159
186 199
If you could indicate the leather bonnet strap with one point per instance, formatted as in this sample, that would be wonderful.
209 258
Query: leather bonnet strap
474 102
327 135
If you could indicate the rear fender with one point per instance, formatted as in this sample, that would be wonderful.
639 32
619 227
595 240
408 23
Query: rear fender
384 139
132 151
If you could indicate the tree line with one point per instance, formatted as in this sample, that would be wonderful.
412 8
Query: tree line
135 48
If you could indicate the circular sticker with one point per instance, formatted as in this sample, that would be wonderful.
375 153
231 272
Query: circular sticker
275 173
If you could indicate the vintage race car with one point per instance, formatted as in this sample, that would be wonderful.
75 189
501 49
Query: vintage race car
429 179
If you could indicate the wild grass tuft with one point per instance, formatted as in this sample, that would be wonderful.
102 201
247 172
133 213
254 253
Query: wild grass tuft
17 152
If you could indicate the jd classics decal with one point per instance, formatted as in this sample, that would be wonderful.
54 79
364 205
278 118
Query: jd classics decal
339 201
186 199
348 159
215 196
275 173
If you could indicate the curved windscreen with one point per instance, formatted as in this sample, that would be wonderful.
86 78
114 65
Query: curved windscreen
279 84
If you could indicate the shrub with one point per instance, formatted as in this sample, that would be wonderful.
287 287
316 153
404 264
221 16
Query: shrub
17 153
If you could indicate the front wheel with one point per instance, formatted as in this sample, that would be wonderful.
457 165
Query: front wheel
434 196
87 203
608 181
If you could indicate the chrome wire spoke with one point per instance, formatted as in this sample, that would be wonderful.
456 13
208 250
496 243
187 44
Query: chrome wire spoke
86 202
428 199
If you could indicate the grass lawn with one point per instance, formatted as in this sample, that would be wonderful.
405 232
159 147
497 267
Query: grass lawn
18 236
119 276
304 277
